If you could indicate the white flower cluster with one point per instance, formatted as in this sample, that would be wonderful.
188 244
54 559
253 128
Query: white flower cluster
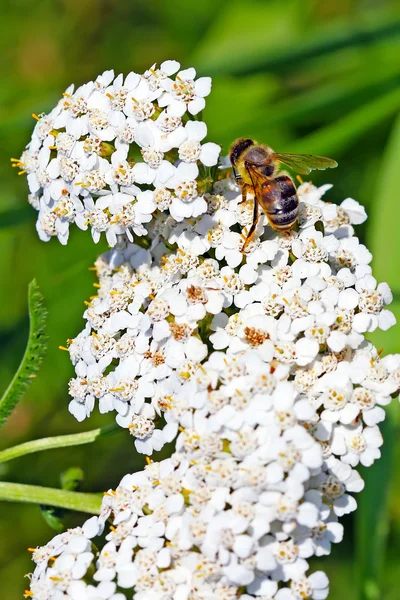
256 365
185 529
118 149
300 301
251 362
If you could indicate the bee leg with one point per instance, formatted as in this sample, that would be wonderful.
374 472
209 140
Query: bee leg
252 230
245 187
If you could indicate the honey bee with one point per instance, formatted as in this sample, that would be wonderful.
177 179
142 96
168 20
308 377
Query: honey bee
256 168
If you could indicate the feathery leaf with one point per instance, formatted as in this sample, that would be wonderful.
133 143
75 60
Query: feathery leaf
34 353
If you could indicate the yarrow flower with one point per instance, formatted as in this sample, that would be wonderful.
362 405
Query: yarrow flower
107 151
251 361
177 532
257 373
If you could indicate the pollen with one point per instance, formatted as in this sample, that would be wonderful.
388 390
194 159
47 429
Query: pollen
255 337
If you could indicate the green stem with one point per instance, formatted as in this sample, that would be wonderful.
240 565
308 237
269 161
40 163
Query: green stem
57 441
34 494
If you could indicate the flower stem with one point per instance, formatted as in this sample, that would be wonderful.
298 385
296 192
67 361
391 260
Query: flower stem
58 441
34 494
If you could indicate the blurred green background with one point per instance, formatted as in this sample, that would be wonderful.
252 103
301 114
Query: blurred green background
303 76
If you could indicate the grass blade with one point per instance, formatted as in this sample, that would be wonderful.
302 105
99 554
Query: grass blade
372 520
372 517
230 57
336 137
33 356
384 225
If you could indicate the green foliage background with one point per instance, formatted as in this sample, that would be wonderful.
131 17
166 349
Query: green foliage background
302 75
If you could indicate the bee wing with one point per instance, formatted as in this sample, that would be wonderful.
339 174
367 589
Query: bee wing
258 179
304 163
263 186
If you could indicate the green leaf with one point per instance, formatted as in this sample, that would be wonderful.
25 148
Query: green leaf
322 101
372 517
52 516
383 234
33 356
338 136
289 41
72 478
239 38
372 521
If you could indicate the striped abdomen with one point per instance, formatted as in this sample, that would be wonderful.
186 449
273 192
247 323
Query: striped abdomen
280 203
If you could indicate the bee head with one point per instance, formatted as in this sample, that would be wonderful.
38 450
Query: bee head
238 147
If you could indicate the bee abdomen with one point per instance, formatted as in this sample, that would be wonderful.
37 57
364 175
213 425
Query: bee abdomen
284 210
283 220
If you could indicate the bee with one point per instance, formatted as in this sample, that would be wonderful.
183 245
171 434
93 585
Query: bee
256 168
